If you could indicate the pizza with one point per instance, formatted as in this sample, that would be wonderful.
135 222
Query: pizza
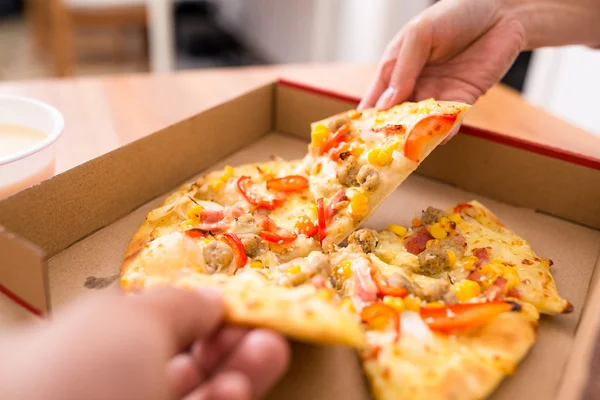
357 159
450 306
442 309
251 232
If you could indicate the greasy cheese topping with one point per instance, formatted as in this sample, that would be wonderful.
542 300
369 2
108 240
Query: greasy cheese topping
507 251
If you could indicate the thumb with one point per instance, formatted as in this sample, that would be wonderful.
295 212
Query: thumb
187 315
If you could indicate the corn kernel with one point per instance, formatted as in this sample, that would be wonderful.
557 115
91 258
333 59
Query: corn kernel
194 212
455 217
468 262
422 110
228 173
384 158
319 134
446 224
359 205
437 231
325 294
435 304
431 242
354 114
187 224
511 276
412 303
466 289
256 264
346 269
395 302
347 305
215 185
398 230
451 258
206 240
294 270
373 155
488 275
393 146
357 151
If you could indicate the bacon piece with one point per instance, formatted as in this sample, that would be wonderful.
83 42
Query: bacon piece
496 290
483 258
219 220
417 242
211 216
482 255
366 288
335 200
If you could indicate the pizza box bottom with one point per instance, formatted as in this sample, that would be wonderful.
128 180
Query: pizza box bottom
86 217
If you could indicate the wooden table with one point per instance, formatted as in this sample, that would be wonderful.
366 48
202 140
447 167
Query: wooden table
104 113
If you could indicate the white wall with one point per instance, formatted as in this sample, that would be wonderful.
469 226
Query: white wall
566 82
286 31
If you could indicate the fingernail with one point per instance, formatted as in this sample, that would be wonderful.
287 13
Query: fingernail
387 99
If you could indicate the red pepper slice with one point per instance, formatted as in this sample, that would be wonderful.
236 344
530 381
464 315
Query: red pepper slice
238 249
195 233
334 140
463 316
278 237
378 314
421 134
307 227
244 184
382 288
273 233
321 215
461 206
290 183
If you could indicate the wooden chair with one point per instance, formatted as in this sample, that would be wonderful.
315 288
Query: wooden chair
54 24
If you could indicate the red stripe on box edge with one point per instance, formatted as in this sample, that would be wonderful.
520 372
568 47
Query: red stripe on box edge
20 301
538 148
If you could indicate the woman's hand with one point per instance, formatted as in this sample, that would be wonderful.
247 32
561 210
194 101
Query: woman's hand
163 344
455 50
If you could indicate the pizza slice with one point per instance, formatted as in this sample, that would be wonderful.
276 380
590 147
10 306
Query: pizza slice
423 342
294 298
473 251
357 159
249 231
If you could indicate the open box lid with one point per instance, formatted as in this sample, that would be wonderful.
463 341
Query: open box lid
47 217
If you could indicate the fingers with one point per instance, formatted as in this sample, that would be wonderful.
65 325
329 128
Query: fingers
403 60
183 375
410 60
210 353
225 386
186 315
263 356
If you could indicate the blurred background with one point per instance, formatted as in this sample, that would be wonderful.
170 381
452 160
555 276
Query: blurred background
66 38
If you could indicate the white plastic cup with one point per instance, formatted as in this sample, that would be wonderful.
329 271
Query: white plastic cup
26 168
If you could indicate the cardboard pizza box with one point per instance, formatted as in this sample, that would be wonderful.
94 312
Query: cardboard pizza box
65 237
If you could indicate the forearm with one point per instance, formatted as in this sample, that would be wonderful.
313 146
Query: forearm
556 22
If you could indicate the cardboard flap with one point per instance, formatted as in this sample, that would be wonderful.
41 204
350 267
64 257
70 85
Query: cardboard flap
94 194
23 275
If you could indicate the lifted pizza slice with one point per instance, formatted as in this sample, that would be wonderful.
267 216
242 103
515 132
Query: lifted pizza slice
357 159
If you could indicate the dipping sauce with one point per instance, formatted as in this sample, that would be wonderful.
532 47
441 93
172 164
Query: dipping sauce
28 171
16 138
